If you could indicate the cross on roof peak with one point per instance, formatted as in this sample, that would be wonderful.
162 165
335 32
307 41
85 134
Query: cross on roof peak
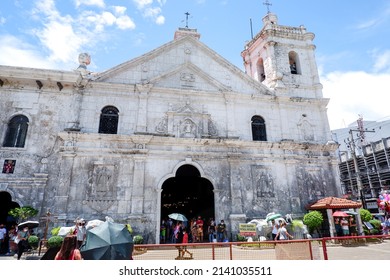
267 3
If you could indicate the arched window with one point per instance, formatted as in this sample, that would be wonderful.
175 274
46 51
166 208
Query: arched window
109 120
16 132
293 59
258 129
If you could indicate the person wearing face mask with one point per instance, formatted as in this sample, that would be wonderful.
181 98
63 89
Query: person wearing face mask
23 241
80 232
221 228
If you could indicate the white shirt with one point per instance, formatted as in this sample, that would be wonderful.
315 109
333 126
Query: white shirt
3 232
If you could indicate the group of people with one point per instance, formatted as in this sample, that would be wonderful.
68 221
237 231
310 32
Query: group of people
196 229
346 226
14 241
279 231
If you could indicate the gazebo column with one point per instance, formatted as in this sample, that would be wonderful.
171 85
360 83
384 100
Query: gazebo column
332 228
359 223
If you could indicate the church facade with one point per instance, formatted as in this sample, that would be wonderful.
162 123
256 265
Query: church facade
178 129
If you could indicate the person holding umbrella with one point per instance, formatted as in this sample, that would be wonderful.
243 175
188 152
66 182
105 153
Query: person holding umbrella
23 241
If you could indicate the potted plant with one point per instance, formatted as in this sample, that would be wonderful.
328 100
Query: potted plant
53 244
33 241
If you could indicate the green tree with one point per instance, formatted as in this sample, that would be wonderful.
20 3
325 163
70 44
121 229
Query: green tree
23 213
313 220
365 215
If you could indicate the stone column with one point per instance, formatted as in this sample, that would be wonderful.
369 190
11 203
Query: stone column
77 100
143 93
230 115
235 191
137 197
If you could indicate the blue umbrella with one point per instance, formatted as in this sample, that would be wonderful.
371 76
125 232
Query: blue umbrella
272 217
108 241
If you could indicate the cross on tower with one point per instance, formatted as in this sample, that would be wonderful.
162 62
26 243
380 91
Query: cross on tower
187 14
267 3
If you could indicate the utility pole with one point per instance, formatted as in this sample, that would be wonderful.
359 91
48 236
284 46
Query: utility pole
356 165
359 183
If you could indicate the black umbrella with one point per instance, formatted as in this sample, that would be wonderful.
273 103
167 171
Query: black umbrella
108 241
29 224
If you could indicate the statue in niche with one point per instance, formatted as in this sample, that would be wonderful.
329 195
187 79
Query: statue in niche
265 187
188 129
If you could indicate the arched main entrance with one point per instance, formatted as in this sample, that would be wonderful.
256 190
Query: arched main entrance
187 193
6 204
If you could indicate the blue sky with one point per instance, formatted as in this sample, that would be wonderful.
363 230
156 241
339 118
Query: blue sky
352 39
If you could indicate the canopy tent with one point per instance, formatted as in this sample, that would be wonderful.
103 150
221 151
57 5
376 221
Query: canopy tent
331 204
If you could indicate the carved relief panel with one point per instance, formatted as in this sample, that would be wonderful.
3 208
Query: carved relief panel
101 191
187 122
263 183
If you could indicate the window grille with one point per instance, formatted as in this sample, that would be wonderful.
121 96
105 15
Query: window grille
109 120
258 129
16 132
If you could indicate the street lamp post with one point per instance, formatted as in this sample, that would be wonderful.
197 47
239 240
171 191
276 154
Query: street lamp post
44 240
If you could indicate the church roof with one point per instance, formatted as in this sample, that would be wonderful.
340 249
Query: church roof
334 203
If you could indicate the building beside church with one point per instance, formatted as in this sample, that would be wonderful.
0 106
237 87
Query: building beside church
178 129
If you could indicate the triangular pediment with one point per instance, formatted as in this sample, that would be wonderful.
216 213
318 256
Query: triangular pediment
184 63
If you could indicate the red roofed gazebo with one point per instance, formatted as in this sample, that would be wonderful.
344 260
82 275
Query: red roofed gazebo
334 203
330 204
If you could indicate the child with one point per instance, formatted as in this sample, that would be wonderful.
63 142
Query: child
185 241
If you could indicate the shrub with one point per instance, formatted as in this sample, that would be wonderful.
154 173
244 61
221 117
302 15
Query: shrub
240 238
55 241
55 231
33 241
365 215
313 220
138 239
376 224
296 225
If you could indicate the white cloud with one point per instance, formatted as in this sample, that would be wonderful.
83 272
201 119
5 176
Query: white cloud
141 4
382 61
62 41
125 22
119 10
355 93
98 3
160 20
18 53
154 13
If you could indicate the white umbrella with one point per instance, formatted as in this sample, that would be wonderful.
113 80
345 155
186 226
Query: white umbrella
178 217
29 224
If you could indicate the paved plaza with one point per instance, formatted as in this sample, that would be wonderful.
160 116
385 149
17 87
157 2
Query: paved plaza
371 251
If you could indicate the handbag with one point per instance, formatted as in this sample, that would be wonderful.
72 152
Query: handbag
16 240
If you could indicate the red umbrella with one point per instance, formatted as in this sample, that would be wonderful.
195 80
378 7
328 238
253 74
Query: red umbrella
340 214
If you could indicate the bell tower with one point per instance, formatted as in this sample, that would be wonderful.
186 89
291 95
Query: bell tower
283 59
